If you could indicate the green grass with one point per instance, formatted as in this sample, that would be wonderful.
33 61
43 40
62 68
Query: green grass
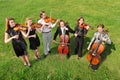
52 68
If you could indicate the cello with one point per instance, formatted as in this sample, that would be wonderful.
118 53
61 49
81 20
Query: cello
97 49
63 46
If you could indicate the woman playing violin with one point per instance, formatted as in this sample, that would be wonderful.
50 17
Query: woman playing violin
63 29
18 42
100 35
80 30
33 37
47 25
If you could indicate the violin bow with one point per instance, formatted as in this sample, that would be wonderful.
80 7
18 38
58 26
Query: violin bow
50 14
61 43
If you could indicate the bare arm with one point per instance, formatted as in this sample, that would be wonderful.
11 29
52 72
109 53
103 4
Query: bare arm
53 25
34 36
26 34
7 39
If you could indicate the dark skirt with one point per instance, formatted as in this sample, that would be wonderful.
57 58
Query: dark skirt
20 47
34 42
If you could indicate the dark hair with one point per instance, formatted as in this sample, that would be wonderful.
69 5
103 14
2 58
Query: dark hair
61 21
80 19
41 13
7 22
100 25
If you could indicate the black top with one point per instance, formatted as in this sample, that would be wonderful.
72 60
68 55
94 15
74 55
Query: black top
34 41
59 31
32 32
12 33
80 31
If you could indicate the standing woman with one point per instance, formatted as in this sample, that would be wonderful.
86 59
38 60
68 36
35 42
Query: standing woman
46 32
80 30
63 29
18 43
33 38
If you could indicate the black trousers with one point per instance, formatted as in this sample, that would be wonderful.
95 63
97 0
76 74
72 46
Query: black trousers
94 67
79 41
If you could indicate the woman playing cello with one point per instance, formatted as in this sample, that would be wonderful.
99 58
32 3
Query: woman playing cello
63 29
96 46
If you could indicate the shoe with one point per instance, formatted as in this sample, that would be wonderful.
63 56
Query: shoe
49 51
79 58
45 56
94 70
29 65
68 56
37 58
25 64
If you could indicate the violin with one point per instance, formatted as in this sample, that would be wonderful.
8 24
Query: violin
36 25
63 46
48 19
20 27
85 25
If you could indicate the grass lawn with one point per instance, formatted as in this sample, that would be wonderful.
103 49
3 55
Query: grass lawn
53 68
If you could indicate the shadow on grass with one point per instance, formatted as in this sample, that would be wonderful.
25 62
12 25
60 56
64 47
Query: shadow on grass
107 51
72 45
54 49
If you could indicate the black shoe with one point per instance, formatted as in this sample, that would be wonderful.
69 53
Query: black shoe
68 56
45 56
49 51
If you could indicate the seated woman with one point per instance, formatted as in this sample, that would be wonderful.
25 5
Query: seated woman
98 40
63 29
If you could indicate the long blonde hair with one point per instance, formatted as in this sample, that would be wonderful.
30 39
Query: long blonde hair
28 18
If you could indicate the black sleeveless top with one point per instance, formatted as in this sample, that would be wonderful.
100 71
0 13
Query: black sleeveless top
34 42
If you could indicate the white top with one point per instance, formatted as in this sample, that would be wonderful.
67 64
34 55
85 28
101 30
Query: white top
62 29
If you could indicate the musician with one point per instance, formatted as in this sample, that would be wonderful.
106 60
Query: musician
18 42
63 29
46 32
99 35
80 32
33 39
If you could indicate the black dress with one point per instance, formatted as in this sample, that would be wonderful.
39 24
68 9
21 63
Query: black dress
34 42
19 45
